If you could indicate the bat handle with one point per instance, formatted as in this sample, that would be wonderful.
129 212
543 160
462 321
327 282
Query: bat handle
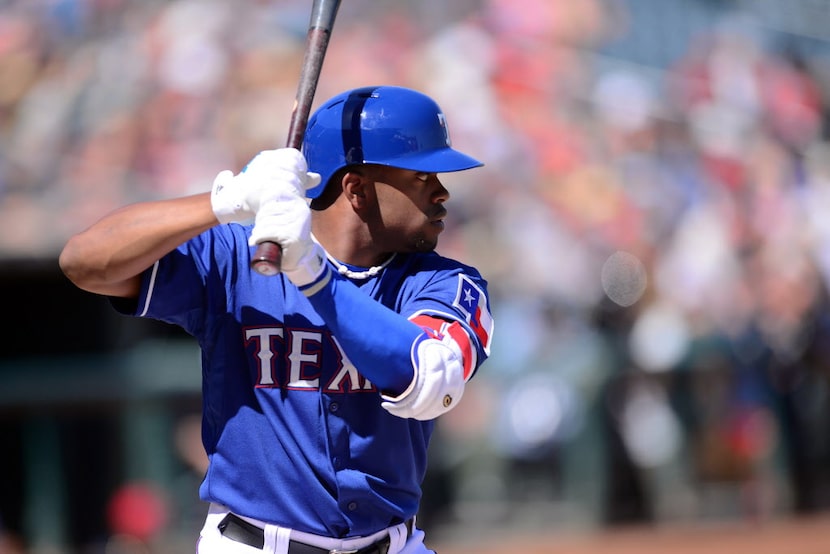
267 259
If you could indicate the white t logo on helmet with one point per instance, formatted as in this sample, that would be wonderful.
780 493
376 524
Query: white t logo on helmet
442 121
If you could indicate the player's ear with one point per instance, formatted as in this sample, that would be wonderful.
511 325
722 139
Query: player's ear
355 187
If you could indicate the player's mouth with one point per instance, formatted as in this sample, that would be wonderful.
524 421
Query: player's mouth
438 222
438 218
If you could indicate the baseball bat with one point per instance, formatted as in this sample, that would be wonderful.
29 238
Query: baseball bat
268 256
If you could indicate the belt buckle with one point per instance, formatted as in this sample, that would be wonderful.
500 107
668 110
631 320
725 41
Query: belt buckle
338 551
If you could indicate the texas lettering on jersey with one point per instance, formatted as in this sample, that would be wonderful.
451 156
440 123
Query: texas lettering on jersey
303 363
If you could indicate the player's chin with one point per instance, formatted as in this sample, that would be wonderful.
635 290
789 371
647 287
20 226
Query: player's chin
426 243
426 238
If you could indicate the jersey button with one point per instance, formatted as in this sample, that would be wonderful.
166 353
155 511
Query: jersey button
352 506
333 407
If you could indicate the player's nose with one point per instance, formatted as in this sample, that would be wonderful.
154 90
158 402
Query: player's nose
441 193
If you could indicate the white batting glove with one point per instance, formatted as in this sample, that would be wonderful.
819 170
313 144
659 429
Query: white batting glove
286 220
266 177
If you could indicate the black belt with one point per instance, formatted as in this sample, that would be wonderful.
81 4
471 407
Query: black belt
239 530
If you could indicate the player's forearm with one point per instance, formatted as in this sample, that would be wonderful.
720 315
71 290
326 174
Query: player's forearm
109 256
377 340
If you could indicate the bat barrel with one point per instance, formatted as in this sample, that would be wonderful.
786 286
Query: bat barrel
318 40
323 14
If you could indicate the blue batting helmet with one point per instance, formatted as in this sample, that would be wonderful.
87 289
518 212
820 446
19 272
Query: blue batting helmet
384 125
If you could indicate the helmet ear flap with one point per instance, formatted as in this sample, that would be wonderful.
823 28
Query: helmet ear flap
328 192
384 125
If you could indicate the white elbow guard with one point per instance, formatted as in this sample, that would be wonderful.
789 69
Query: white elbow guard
438 383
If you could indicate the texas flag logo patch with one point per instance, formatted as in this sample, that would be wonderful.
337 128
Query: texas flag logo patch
472 302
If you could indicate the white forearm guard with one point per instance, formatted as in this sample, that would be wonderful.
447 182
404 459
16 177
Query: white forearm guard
438 383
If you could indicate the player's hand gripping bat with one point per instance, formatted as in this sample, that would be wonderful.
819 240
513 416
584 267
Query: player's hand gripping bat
268 256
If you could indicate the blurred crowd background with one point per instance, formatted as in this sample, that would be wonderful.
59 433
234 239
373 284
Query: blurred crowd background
652 219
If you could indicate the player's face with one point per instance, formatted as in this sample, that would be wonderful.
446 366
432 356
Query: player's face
410 209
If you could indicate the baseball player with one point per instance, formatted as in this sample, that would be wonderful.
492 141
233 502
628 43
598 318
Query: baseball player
321 384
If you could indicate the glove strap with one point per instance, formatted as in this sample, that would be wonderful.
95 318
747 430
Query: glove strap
226 206
312 272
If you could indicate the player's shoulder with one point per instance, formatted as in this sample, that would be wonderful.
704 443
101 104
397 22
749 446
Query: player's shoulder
435 264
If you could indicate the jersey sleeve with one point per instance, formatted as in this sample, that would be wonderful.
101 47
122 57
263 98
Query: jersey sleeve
185 284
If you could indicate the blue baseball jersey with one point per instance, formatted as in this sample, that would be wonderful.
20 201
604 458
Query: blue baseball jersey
296 434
